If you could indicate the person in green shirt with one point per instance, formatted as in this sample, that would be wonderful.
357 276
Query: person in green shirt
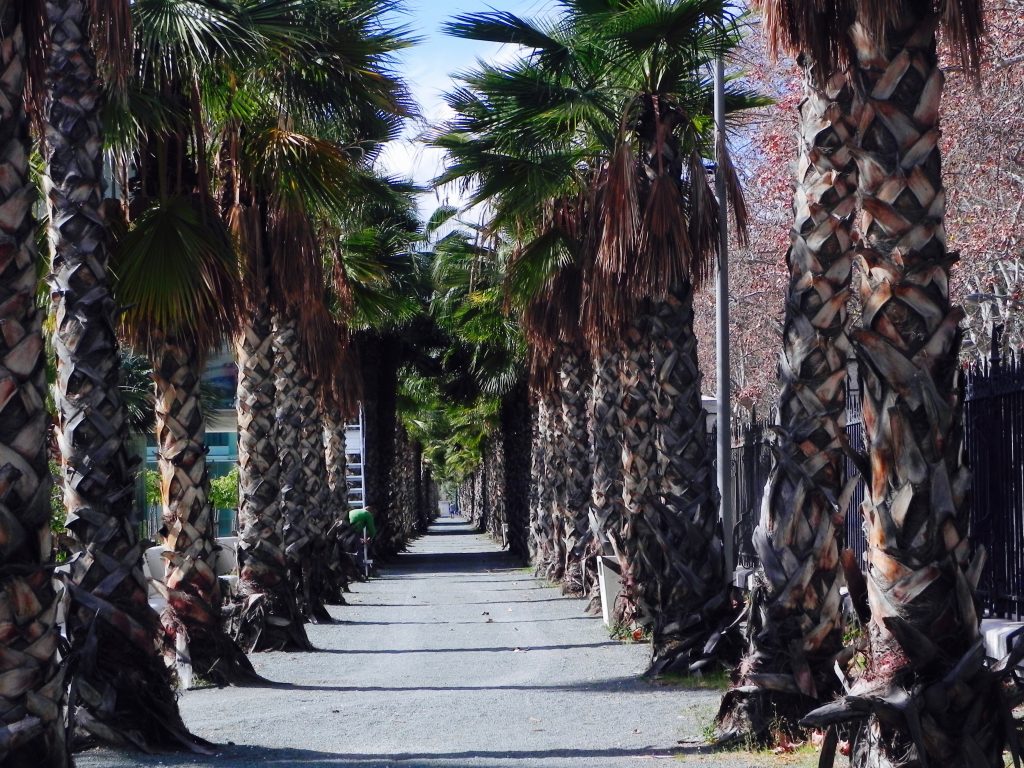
362 521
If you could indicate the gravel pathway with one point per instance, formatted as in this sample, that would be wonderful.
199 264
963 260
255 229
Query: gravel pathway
454 658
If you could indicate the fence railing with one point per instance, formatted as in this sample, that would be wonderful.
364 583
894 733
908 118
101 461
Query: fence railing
994 446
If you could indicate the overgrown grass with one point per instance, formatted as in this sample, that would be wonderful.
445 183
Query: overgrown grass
748 755
718 680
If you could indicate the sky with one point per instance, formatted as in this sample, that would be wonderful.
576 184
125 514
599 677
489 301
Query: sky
427 67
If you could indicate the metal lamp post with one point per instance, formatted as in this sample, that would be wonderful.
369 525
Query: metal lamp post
722 327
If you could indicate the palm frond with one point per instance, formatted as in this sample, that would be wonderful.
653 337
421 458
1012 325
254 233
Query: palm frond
176 273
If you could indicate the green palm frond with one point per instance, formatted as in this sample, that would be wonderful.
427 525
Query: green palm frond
297 170
508 29
590 143
175 271
135 385
179 38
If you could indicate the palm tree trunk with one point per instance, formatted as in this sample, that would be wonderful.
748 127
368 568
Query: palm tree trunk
537 475
269 618
314 467
543 523
336 460
552 535
31 716
579 539
637 457
927 697
192 618
292 393
795 622
339 562
679 540
518 449
125 690
607 509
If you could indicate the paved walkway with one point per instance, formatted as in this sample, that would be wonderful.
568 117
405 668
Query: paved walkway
454 658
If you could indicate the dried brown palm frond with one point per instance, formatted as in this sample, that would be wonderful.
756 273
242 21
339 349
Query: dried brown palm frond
542 364
246 225
664 256
823 31
733 190
702 216
299 289
176 271
617 211
112 39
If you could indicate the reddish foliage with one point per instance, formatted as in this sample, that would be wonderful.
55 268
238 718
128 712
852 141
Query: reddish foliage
983 146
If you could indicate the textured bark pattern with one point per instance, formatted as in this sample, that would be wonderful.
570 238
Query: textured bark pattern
795 623
378 356
402 520
580 545
334 452
494 491
516 440
269 618
678 544
606 503
192 618
548 525
480 500
637 460
920 581
291 384
339 563
537 475
32 692
318 495
124 688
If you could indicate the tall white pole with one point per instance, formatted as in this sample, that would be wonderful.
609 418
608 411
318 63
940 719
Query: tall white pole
722 327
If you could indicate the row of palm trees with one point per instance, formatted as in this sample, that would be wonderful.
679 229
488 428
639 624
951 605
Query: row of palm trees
587 151
240 136
238 140
590 151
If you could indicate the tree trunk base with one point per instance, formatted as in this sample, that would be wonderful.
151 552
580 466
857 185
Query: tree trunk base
208 653
265 621
942 713
711 642
757 717
124 695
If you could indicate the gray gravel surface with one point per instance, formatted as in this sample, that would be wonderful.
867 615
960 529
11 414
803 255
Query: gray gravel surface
453 657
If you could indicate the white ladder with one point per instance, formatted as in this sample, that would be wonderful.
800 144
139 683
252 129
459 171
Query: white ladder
355 450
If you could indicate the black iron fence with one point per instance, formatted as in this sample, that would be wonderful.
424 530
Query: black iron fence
994 426
994 444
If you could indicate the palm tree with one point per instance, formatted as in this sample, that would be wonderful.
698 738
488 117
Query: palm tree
124 689
177 273
487 346
609 111
31 717
795 621
176 319
923 630
296 164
